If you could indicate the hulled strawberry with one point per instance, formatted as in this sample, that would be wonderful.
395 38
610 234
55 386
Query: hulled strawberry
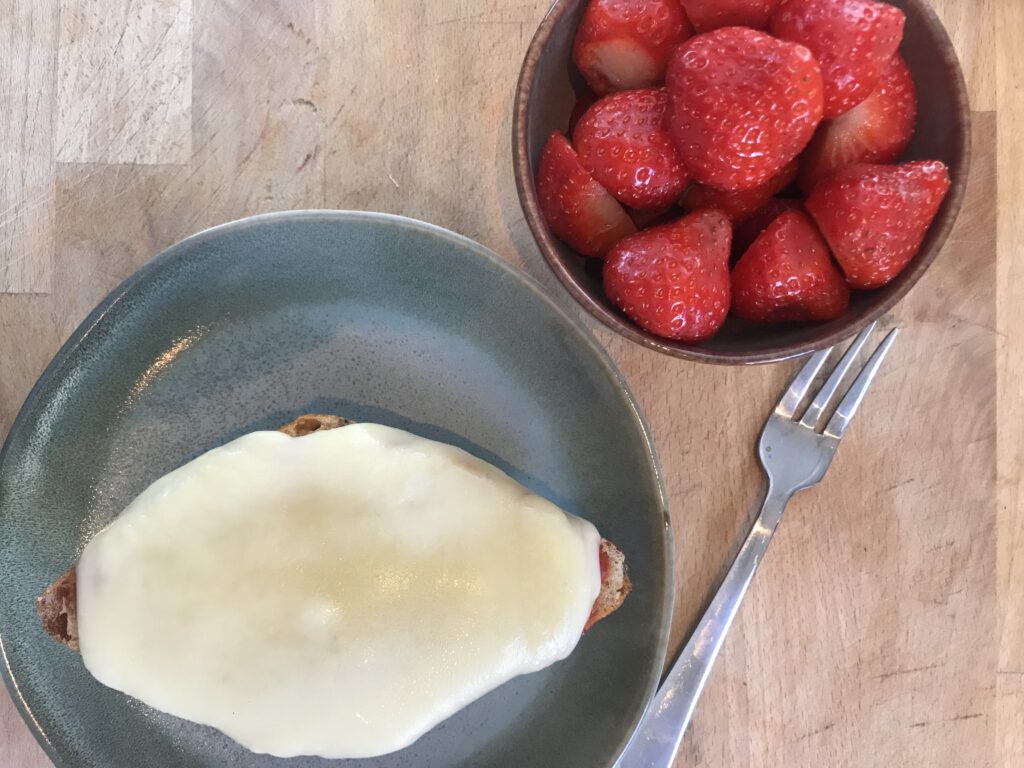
787 274
742 104
706 15
622 44
875 131
853 41
875 217
620 140
673 280
645 219
738 205
745 232
578 210
584 101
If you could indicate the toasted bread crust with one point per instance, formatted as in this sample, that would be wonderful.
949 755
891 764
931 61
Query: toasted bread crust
57 606
313 422
615 583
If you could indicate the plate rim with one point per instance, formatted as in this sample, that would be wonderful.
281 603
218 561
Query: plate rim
584 335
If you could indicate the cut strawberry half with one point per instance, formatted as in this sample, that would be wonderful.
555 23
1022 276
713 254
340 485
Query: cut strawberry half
645 219
578 210
853 41
787 274
583 102
738 205
620 140
742 104
706 15
745 232
876 216
875 131
623 44
673 280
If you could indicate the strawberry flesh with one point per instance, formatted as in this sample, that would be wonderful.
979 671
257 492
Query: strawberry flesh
624 44
787 274
742 105
853 41
673 280
875 217
645 219
578 210
620 140
706 15
875 131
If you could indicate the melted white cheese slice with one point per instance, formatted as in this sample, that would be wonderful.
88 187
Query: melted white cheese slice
337 594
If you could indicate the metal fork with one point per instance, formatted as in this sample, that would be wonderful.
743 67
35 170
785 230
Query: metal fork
795 451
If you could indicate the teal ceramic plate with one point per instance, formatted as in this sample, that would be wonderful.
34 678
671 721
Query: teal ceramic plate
372 317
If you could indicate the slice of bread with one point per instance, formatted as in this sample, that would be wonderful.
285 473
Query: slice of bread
57 605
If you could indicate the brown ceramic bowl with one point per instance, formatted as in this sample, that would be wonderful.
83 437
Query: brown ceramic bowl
545 97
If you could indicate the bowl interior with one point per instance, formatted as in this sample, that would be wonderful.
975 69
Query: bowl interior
546 100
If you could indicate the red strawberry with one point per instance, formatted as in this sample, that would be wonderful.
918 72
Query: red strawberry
875 216
738 205
745 232
621 141
875 131
583 102
624 44
741 105
706 15
787 274
673 280
853 41
645 219
578 209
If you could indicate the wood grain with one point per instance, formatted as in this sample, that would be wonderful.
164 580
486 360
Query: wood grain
886 627
257 127
28 42
409 60
972 25
1010 418
124 81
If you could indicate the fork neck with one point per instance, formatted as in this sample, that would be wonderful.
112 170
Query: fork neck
774 503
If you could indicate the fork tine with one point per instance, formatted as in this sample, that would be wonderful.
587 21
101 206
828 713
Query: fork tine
798 389
839 422
828 389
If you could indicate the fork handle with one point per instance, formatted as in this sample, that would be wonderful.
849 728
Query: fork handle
657 739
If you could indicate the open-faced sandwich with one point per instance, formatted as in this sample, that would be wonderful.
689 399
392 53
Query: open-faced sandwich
331 588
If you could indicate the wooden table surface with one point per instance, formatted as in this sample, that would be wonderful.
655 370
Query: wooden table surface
886 627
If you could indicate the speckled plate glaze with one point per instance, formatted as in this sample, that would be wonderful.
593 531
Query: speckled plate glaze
376 318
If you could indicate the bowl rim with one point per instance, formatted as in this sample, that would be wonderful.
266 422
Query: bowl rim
935 239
